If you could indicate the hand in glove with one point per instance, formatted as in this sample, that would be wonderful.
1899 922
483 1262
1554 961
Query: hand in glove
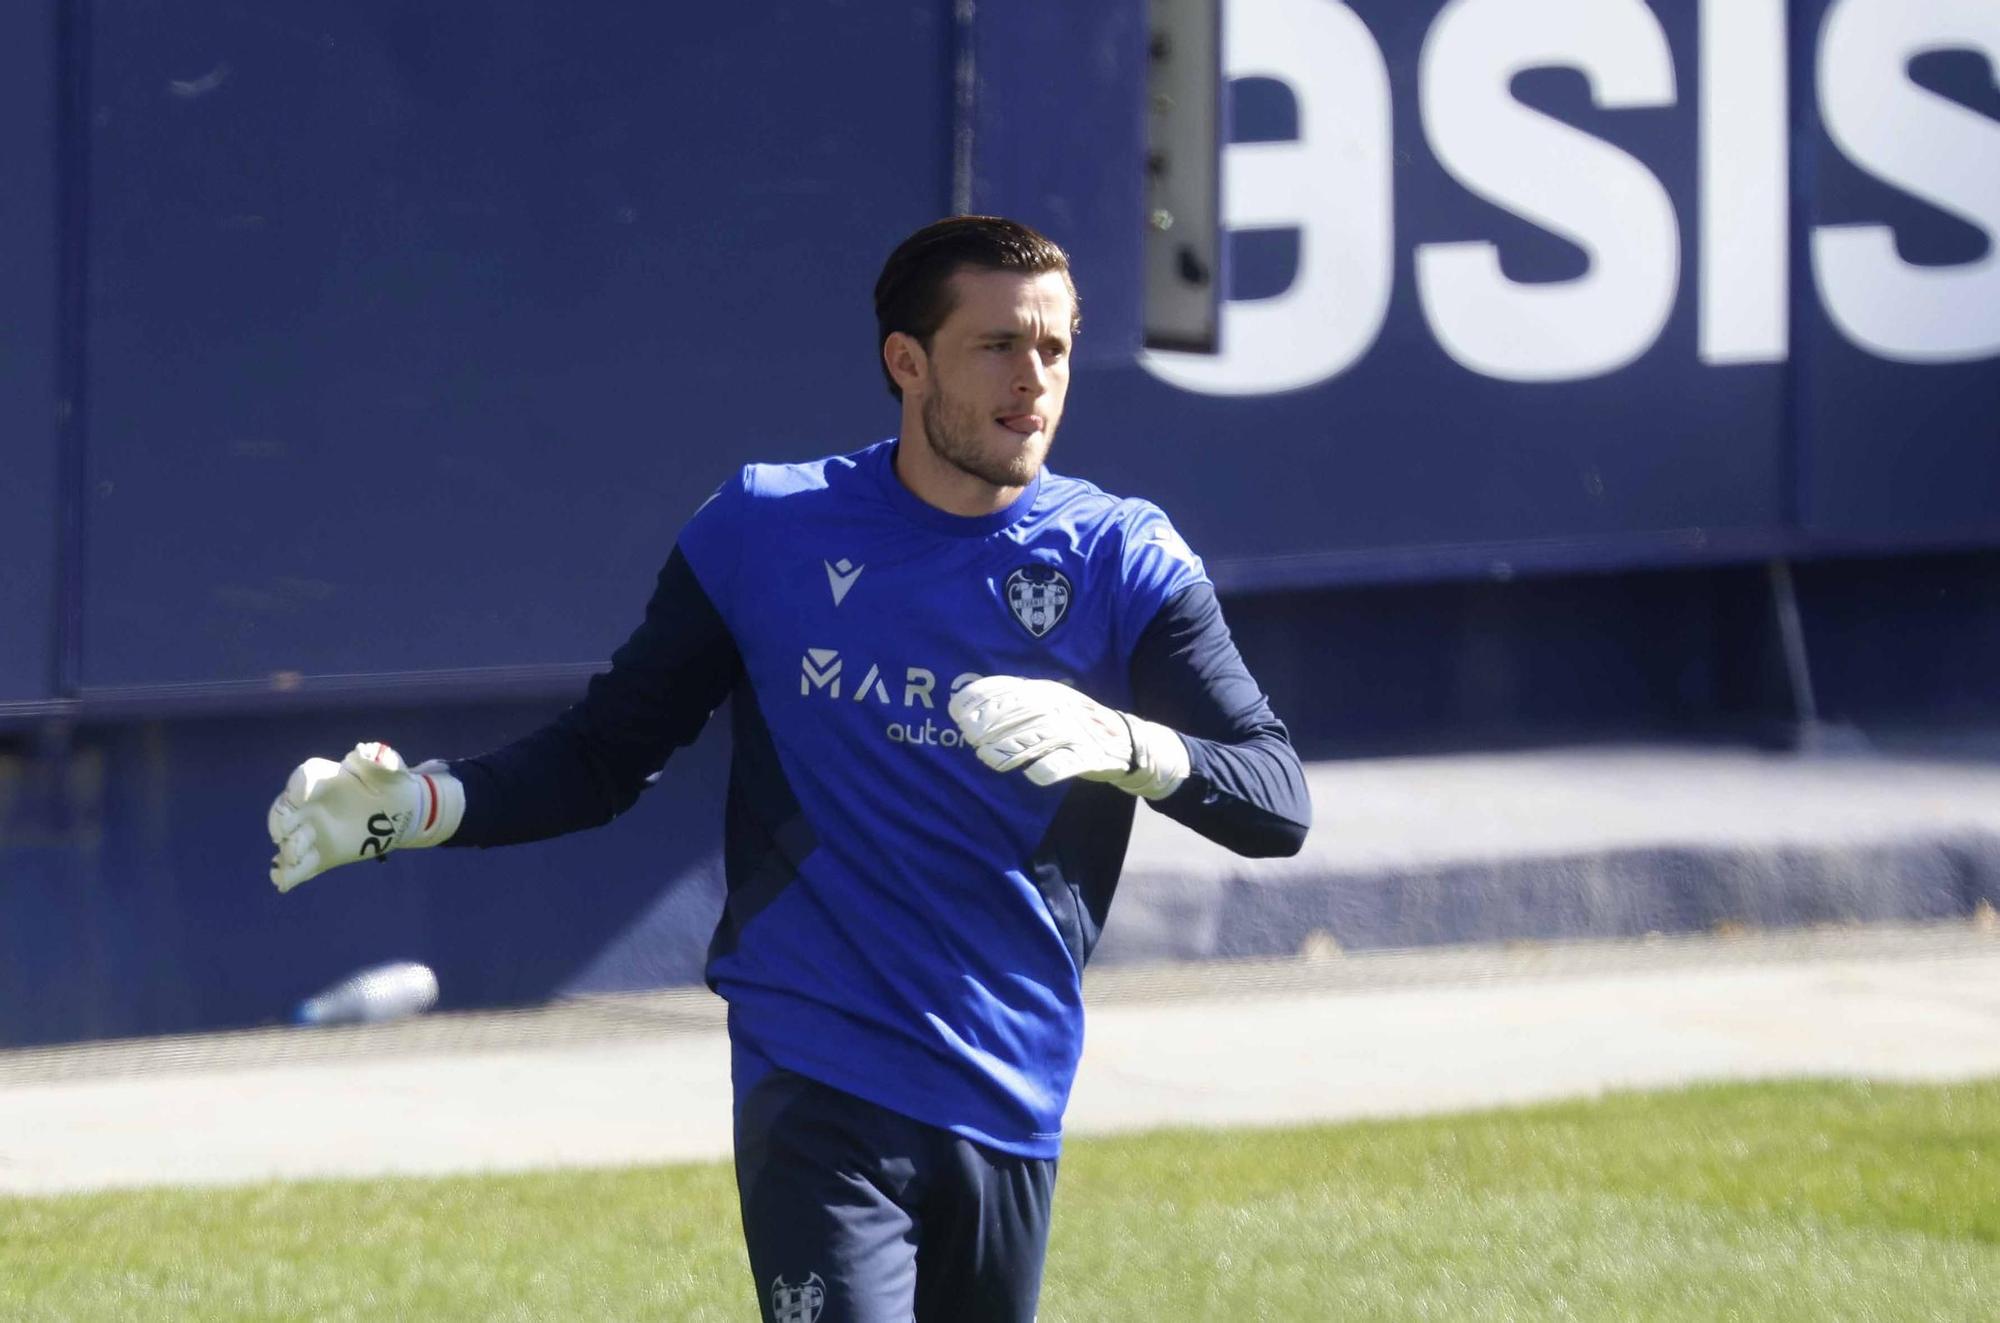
361 807
1056 733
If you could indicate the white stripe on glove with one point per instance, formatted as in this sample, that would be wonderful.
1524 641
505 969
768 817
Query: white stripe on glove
361 807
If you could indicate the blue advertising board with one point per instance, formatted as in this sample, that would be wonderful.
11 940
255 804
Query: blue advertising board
1561 284
1901 399
415 334
412 336
28 386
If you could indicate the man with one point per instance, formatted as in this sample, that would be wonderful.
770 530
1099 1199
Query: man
951 674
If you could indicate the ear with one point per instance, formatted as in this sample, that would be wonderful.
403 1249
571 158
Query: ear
906 360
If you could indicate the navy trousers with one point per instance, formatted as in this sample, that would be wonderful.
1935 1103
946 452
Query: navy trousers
855 1214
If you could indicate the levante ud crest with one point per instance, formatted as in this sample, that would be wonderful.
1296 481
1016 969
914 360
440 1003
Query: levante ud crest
1039 597
797 1304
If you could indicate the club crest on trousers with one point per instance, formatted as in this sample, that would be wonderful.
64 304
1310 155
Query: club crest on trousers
1038 595
797 1304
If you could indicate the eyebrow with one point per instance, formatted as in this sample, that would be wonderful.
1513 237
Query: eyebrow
1012 334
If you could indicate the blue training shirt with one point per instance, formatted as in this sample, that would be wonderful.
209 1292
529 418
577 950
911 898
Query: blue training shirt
902 923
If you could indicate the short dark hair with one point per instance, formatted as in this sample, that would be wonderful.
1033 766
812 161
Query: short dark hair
913 293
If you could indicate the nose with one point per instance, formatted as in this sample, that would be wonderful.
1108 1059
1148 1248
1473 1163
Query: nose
1030 374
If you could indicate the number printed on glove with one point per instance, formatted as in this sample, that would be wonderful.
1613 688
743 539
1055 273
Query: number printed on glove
362 807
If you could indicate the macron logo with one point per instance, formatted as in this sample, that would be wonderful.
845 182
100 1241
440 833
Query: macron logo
840 576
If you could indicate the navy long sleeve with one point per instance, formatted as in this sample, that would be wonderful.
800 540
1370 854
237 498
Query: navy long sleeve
1246 789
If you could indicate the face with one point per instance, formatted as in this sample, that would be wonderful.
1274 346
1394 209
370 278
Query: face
998 374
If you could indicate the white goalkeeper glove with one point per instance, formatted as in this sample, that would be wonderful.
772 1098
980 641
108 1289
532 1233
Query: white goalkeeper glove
361 807
1056 733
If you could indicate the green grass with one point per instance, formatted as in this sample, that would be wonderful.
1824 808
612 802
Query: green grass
1759 1203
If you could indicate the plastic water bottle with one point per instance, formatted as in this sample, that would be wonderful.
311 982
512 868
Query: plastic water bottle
383 992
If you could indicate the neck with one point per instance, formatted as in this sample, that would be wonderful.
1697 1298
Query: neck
937 482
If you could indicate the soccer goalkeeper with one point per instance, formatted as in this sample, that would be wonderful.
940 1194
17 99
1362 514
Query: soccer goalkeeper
952 674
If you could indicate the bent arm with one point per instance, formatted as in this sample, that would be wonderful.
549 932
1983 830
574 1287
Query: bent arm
1245 788
591 763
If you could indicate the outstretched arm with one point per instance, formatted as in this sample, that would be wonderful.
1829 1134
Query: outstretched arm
591 763
581 770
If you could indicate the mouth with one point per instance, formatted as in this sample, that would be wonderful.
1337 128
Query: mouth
1022 424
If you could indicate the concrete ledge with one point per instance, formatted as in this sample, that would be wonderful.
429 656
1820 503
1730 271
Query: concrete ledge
1587 844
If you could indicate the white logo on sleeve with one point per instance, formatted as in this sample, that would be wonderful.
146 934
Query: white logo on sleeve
840 576
797 1304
